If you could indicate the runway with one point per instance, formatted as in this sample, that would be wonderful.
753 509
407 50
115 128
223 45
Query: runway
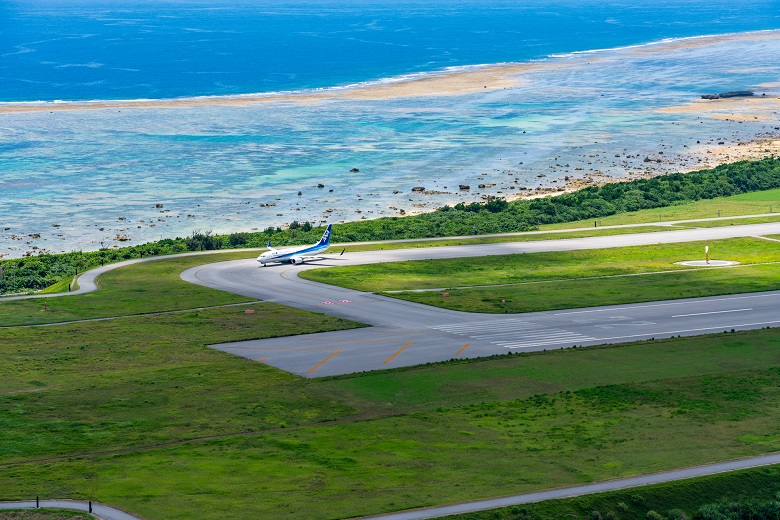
404 333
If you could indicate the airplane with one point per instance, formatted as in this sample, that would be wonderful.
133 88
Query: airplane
297 255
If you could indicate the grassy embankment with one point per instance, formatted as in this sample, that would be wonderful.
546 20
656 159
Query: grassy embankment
688 496
43 514
99 410
142 288
558 280
755 203
734 206
122 411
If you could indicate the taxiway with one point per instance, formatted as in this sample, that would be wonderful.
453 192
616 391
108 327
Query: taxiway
404 333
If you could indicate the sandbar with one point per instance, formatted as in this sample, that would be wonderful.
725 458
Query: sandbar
485 78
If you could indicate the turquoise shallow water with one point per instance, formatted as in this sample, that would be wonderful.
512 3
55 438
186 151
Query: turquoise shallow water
66 174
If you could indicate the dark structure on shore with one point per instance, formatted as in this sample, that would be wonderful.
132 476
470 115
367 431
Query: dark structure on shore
733 93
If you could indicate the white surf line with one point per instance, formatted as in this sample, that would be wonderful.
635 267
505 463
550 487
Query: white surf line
705 313
141 315
560 280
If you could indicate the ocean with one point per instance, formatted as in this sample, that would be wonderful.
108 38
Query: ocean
106 49
596 88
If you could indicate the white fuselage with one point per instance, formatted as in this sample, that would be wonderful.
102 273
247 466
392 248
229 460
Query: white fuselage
294 256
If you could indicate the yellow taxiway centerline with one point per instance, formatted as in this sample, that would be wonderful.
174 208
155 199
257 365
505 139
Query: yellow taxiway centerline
318 365
467 345
388 360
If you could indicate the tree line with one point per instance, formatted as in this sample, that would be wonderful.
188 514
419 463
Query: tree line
496 215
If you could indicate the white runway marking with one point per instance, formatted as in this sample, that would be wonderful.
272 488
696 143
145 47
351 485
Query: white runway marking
664 304
713 312
544 337
515 333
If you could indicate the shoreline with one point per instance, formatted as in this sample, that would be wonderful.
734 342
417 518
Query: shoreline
351 157
752 151
468 79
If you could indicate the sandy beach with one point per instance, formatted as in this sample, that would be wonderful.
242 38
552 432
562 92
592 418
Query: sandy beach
460 82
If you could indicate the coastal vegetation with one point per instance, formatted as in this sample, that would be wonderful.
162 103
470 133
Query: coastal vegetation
559 280
492 216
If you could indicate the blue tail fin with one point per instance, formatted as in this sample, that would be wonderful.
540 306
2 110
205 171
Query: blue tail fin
325 240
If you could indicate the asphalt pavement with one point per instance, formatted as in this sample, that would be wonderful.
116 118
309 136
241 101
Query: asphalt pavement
404 333
101 511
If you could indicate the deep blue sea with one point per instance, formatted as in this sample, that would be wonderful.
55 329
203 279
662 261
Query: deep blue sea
105 49
600 87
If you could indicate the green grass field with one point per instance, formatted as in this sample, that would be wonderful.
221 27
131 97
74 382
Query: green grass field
404 438
495 239
545 281
572 294
440 456
141 288
138 413
755 203
132 382
761 484
43 514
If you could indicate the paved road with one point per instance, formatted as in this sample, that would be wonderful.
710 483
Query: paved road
99 510
598 487
88 280
404 333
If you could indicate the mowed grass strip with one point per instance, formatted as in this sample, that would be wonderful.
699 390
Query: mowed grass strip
465 382
435 457
43 514
754 203
535 267
572 294
496 239
728 222
141 288
761 484
132 382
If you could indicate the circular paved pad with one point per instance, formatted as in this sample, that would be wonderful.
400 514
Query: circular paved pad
712 263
